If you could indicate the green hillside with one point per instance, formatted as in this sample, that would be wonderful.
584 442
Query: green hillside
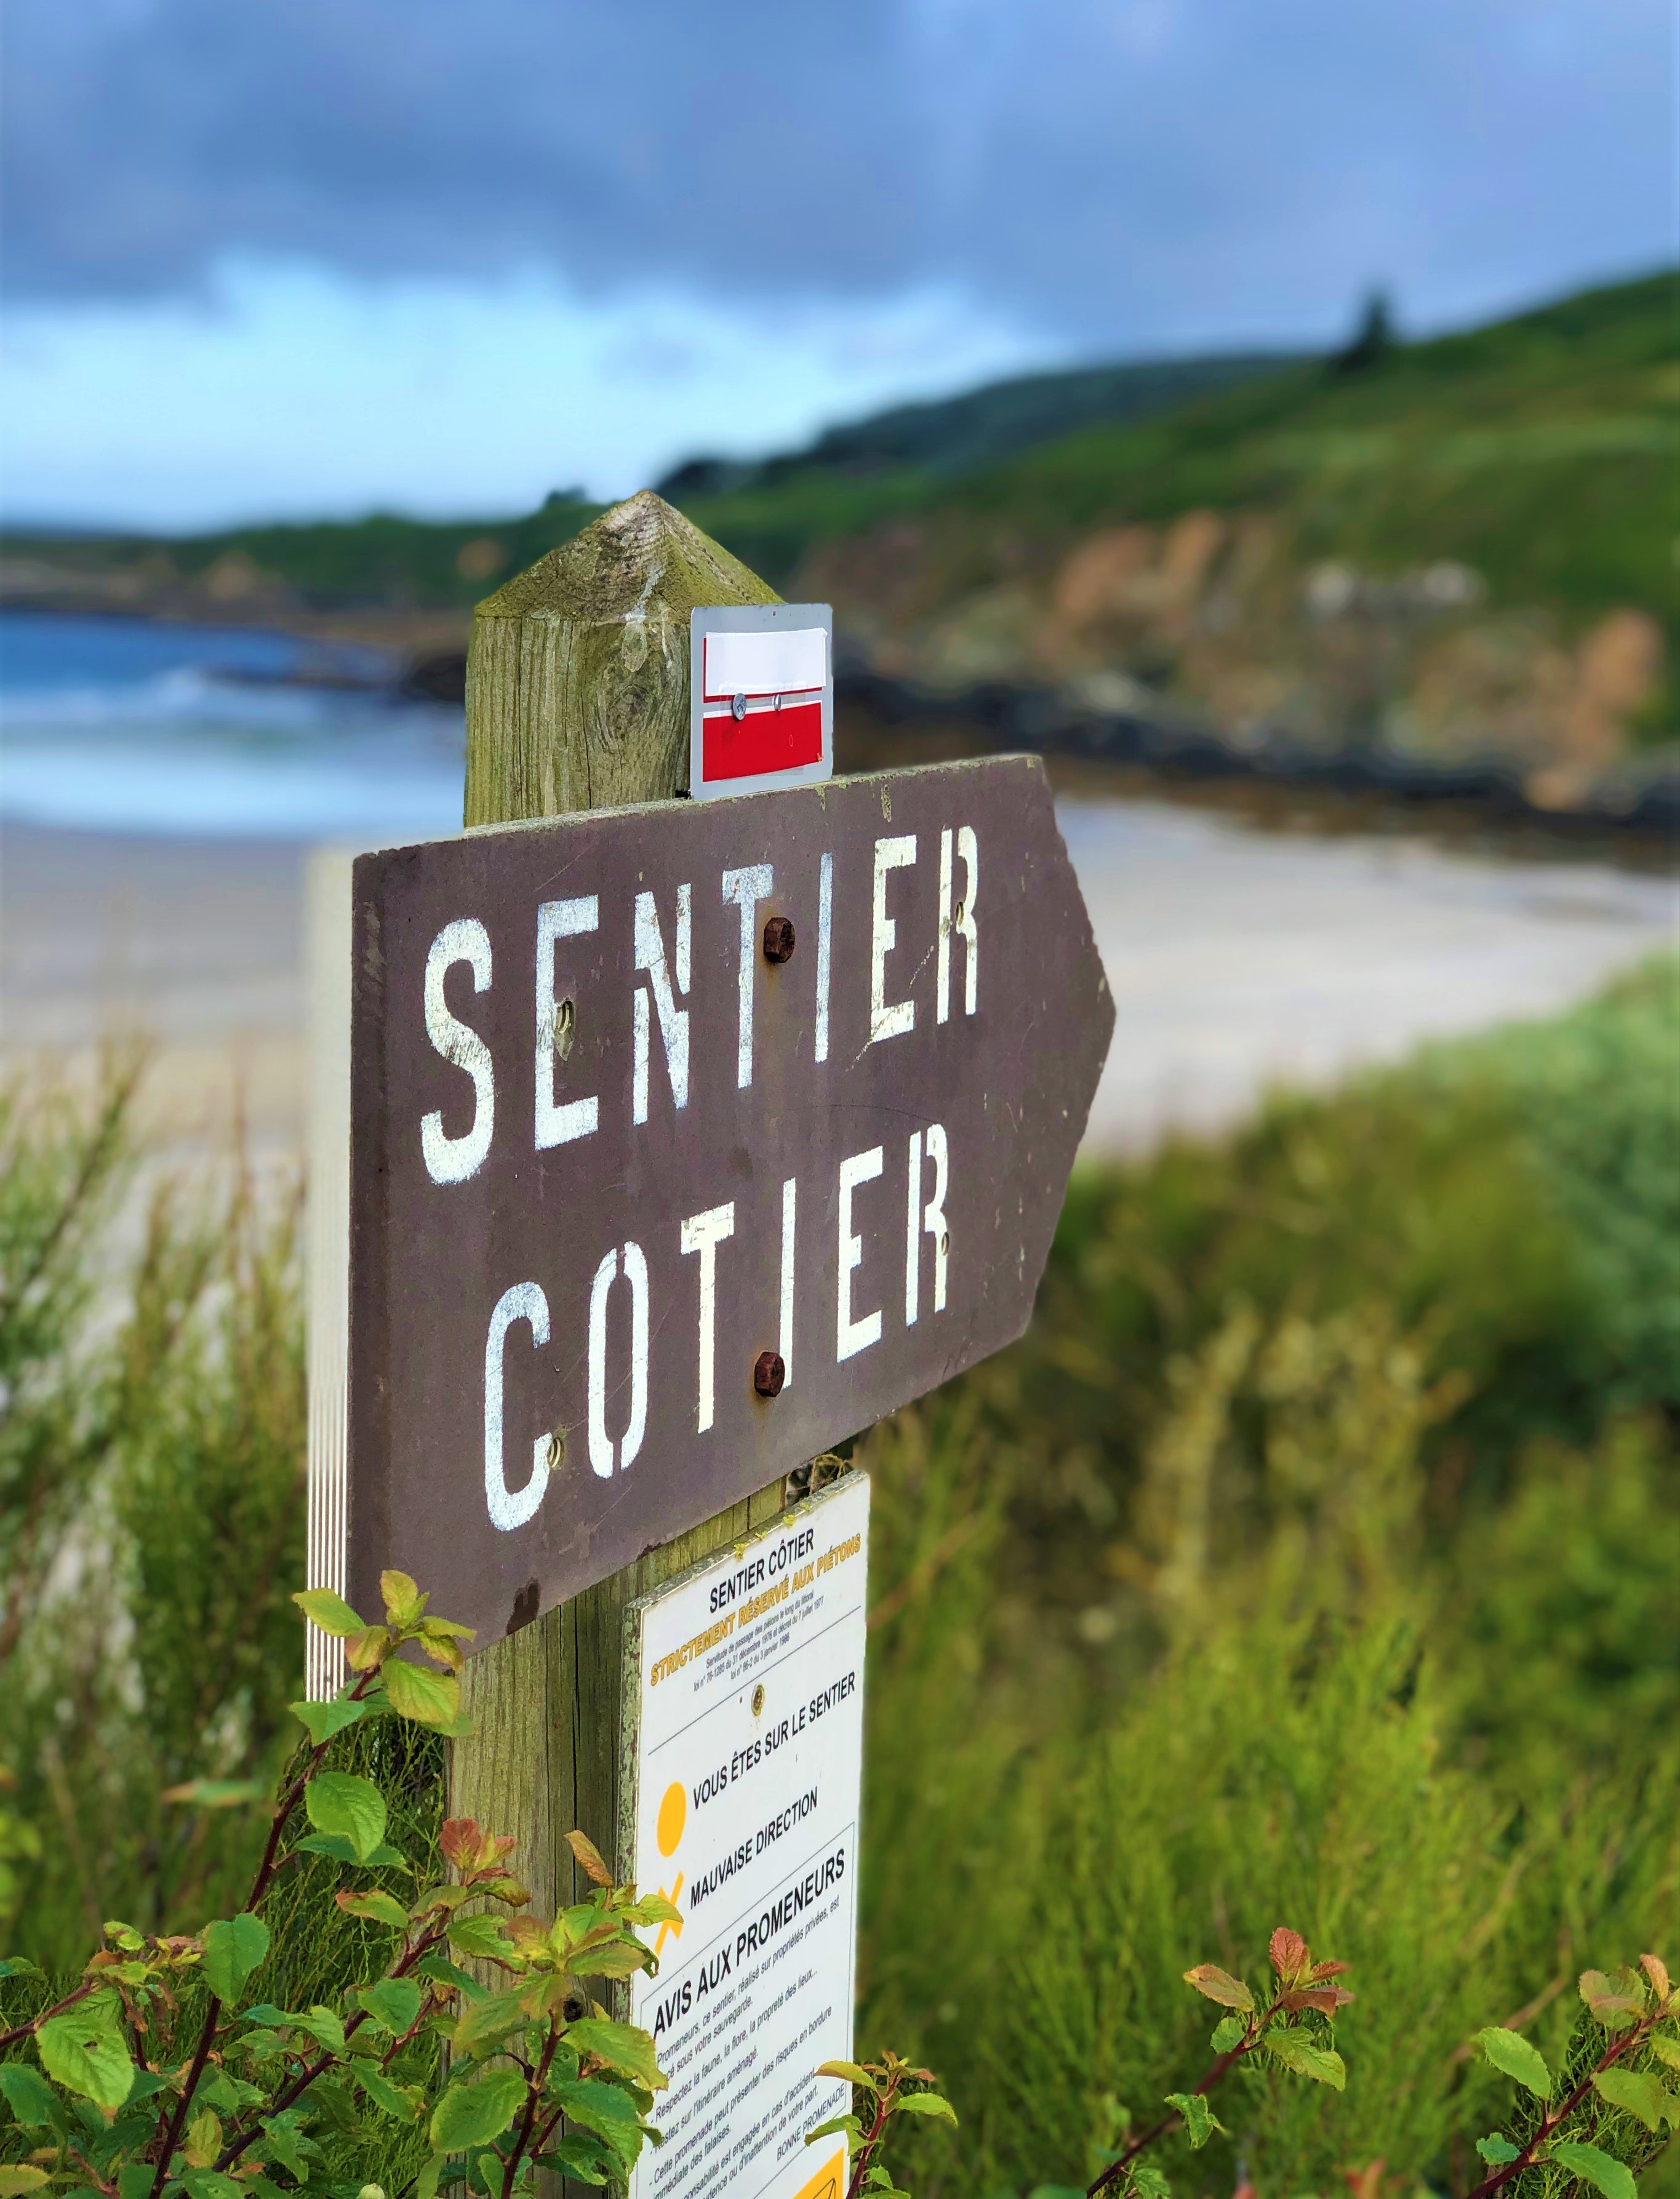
1462 547
846 479
956 434
1540 451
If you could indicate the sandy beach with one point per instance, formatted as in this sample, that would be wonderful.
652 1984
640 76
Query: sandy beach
1239 958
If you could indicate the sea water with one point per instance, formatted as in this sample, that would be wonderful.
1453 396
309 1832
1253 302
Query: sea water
130 724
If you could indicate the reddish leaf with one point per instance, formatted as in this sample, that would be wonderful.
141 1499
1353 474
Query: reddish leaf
1219 1984
589 1857
1656 1970
1326 1998
460 1841
1617 2002
1327 1970
1291 1956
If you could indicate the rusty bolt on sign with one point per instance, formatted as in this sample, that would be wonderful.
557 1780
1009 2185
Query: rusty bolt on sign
778 940
769 1373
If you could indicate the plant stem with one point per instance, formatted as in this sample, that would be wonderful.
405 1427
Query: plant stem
883 2110
283 1809
1159 2130
533 2094
306 2076
1555 2119
27 2030
172 2136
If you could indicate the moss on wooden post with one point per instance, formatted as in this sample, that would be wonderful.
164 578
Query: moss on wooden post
577 698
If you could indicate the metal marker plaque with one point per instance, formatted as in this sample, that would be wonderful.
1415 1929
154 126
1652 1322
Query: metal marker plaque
686 1141
743 1714
760 698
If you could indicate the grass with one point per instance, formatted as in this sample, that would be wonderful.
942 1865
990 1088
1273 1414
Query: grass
1314 1559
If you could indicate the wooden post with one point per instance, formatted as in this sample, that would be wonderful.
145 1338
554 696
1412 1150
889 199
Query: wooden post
578 698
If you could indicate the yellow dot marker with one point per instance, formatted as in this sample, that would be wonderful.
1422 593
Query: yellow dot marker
672 1816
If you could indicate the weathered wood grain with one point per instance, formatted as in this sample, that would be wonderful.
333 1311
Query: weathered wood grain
577 698
577 678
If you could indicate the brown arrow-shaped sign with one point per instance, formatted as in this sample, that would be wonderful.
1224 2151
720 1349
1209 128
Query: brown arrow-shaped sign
686 1140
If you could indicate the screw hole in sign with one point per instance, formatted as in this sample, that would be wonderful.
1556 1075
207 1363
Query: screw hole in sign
761 697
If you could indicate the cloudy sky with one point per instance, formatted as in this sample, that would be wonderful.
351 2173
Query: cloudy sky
297 256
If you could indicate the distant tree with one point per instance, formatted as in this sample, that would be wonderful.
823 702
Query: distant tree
1373 341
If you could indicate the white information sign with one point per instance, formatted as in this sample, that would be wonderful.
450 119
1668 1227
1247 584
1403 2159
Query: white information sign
747 1709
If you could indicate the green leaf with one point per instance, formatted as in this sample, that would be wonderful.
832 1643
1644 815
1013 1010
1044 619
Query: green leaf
134 2179
416 1692
483 1936
1515 2057
218 1794
1227 2032
393 2004
20 2177
83 2050
283 2135
622 2046
376 1907
19 1966
1149 2183
853 2072
329 1611
1199 2118
233 1949
925 2103
324 1720
30 2098
1612 2178
585 2158
1496 2150
1665 2050
1641 2092
607 2111
1219 1984
342 1803
1298 2050
473 2112
404 2102
486 2021
850 2123
324 2025
443 1972
343 1850
612 1958
211 2184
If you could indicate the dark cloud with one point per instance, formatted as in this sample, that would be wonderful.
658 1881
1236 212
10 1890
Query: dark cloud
1100 170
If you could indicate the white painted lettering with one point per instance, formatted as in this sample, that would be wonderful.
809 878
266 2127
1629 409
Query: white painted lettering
933 1214
703 1234
746 888
850 1336
672 1020
790 1215
602 1456
453 1160
958 917
824 950
913 1230
887 1020
510 1507
557 1123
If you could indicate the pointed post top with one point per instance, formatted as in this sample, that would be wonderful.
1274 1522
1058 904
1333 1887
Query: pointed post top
641 559
577 679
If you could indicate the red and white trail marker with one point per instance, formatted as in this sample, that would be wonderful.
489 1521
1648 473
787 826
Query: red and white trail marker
760 698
